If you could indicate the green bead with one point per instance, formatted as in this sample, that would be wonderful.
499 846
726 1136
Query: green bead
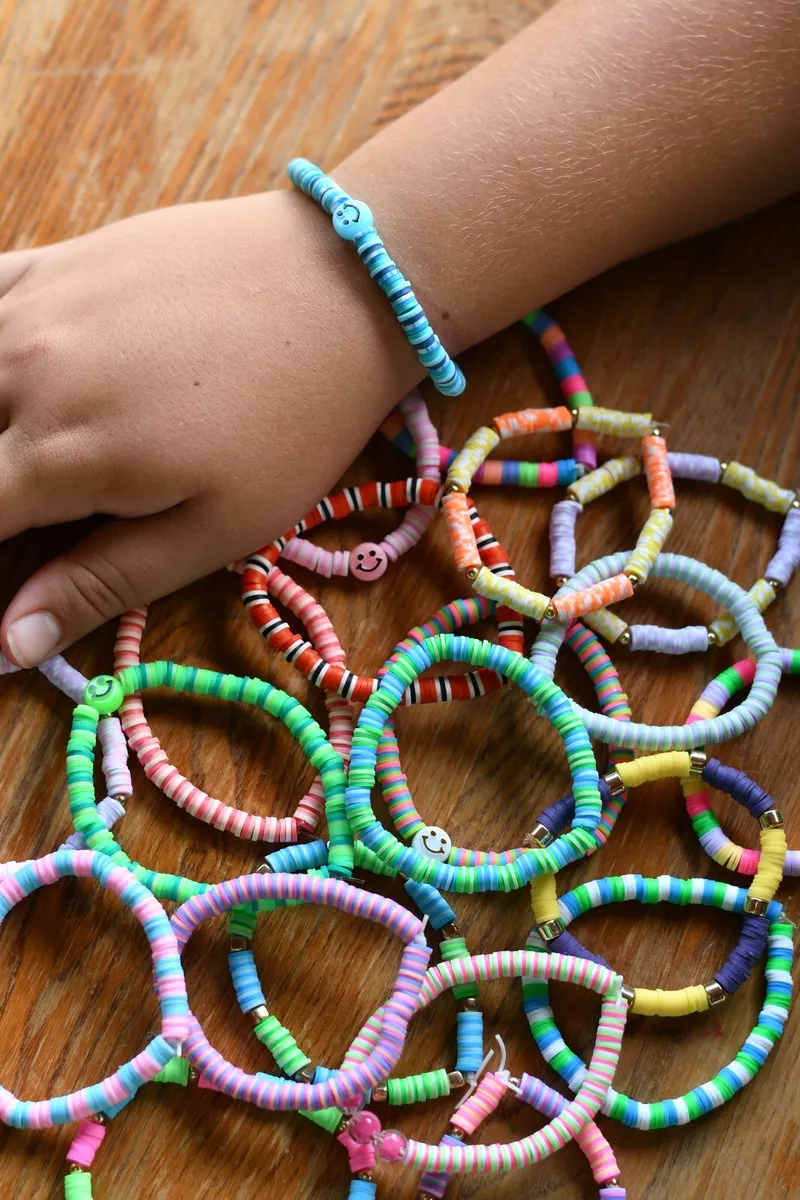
327 1118
78 1186
104 693
176 1071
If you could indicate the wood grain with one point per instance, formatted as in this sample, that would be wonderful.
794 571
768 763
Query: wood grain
113 108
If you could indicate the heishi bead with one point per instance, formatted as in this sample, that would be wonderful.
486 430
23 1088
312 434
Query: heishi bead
755 487
725 628
619 424
656 468
649 544
597 483
472 455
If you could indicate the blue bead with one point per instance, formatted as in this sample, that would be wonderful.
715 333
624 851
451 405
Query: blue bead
351 218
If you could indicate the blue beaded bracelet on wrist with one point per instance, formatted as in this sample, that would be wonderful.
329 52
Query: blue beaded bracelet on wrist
353 222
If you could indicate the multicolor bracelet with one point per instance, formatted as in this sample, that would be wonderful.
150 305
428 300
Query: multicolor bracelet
744 716
105 695
550 702
369 560
353 222
167 976
728 1081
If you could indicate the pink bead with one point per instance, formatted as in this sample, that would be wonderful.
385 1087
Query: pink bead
364 1127
368 562
392 1145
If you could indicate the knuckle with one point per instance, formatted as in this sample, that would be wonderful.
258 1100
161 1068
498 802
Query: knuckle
100 587
31 348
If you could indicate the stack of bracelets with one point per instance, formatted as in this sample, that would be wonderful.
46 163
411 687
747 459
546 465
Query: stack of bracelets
321 844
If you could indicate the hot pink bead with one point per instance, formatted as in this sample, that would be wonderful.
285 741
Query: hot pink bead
368 561
364 1127
392 1145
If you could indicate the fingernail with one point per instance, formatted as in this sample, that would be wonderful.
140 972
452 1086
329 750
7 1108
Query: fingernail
34 638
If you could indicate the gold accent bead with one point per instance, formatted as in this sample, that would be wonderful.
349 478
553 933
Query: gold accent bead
451 488
773 583
614 781
449 931
470 1004
634 579
723 466
380 1094
624 638
259 1013
756 908
304 1075
771 819
697 761
539 837
472 574
628 994
712 637
716 993
550 613
550 929
455 1079
561 580
655 431
573 412
796 503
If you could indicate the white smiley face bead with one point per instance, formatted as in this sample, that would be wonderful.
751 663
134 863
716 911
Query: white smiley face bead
368 562
432 842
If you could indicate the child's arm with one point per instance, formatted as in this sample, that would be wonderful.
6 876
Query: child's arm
207 372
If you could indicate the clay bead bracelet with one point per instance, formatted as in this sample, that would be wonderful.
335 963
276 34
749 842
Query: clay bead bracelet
552 914
706 1096
549 701
344 1087
507 472
452 1158
261 580
727 725
690 638
434 841
167 974
637 567
165 776
369 560
353 222
698 799
106 693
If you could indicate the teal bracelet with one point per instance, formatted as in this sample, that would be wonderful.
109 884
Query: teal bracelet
353 222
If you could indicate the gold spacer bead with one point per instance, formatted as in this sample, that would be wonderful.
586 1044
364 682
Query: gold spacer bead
634 579
628 994
470 1004
304 1075
99 1118
455 1079
259 1013
614 781
773 583
716 993
712 638
655 431
472 574
723 466
796 503
697 761
573 412
238 943
539 837
380 1094
451 488
561 580
550 613
771 819
365 1175
624 638
550 929
756 908
264 869
449 931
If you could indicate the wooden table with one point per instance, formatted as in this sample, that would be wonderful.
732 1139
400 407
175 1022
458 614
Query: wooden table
110 109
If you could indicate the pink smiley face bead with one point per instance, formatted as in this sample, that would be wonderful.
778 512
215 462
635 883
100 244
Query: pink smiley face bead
368 562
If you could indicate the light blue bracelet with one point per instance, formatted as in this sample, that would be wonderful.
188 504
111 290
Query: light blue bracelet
353 222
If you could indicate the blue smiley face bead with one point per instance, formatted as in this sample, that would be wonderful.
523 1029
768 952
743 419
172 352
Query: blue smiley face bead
104 693
351 218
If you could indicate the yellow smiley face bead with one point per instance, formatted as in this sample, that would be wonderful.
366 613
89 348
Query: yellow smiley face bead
104 693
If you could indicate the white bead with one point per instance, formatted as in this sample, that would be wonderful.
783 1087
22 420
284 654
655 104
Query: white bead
432 842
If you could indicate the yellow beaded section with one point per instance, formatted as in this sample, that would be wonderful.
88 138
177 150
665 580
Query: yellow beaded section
471 456
767 878
544 900
508 591
729 854
670 764
649 544
656 1002
620 424
702 709
755 487
606 623
606 477
725 628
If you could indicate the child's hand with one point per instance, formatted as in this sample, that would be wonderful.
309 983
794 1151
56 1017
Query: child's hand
205 373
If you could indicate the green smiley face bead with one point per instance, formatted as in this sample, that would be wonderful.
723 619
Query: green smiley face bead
104 693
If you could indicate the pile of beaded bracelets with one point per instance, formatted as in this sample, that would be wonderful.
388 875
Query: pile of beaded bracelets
691 638
453 1157
168 978
164 775
698 799
369 560
589 599
507 472
549 701
760 641
353 222
261 580
341 1088
733 1077
105 695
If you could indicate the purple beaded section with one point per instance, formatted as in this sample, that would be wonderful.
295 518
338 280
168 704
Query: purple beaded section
783 564
558 815
786 660
612 1193
567 943
65 677
738 786
748 950
694 466
669 641
562 538
434 1183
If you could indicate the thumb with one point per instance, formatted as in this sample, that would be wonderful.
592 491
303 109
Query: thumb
121 565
